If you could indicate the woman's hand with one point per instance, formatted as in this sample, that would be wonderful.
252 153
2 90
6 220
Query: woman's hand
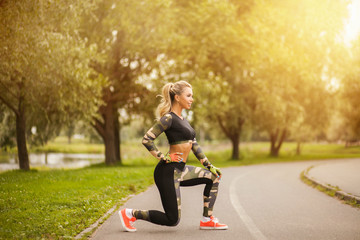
216 171
174 157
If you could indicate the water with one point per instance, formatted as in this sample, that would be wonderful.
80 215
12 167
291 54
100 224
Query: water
52 160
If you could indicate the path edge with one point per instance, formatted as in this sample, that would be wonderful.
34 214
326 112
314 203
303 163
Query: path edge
337 193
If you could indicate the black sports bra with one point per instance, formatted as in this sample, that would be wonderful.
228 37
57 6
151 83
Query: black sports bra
177 130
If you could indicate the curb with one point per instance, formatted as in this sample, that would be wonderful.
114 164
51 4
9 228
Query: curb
338 193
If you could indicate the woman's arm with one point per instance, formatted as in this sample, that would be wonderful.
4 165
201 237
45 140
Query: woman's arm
199 154
159 127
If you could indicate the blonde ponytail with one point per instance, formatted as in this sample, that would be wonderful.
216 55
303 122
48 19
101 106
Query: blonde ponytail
168 94
165 104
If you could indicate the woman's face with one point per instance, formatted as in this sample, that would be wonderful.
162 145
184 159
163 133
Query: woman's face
186 98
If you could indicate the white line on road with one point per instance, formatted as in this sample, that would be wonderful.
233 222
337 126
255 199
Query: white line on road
249 223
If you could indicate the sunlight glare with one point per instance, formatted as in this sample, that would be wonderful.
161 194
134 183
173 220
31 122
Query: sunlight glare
352 26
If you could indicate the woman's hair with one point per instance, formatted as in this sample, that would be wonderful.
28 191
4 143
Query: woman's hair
168 95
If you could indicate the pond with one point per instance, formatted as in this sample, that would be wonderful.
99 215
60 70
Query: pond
52 160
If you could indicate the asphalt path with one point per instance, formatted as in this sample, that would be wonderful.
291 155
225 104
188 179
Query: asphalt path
267 201
344 173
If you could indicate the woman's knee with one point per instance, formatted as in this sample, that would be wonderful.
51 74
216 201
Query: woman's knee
173 221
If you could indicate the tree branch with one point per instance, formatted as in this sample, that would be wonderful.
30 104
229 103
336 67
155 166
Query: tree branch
240 122
9 105
116 96
99 127
7 89
222 126
282 138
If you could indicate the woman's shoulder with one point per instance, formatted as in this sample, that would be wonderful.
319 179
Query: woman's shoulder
166 119
167 116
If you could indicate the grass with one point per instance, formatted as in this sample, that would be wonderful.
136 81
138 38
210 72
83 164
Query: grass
258 153
61 145
59 204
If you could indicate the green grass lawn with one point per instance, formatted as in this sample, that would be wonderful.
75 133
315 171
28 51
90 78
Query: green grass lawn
59 204
61 145
258 153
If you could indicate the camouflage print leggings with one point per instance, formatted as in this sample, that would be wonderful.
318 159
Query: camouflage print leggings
180 175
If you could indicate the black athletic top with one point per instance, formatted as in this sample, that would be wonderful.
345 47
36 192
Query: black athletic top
178 130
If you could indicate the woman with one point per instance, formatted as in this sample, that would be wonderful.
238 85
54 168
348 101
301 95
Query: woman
172 172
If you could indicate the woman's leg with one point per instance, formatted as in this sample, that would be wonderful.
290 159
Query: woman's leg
196 175
167 180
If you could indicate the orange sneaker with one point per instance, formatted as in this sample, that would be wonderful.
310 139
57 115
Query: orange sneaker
213 224
126 221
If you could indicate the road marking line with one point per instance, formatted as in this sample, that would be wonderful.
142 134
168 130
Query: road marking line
249 223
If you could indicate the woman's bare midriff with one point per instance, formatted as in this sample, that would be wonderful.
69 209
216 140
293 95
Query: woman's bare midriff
183 148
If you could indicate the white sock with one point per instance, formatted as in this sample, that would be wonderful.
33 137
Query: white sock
128 212
206 219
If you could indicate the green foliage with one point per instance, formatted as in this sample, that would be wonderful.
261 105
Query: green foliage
129 46
265 64
258 63
44 64
350 95
291 55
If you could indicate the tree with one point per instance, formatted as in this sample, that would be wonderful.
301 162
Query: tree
254 61
130 35
295 42
212 55
43 65
350 95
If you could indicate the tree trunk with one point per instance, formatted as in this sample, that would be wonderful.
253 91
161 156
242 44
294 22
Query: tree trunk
21 140
117 140
69 135
233 133
273 138
106 130
70 131
109 138
19 112
276 142
298 148
235 140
